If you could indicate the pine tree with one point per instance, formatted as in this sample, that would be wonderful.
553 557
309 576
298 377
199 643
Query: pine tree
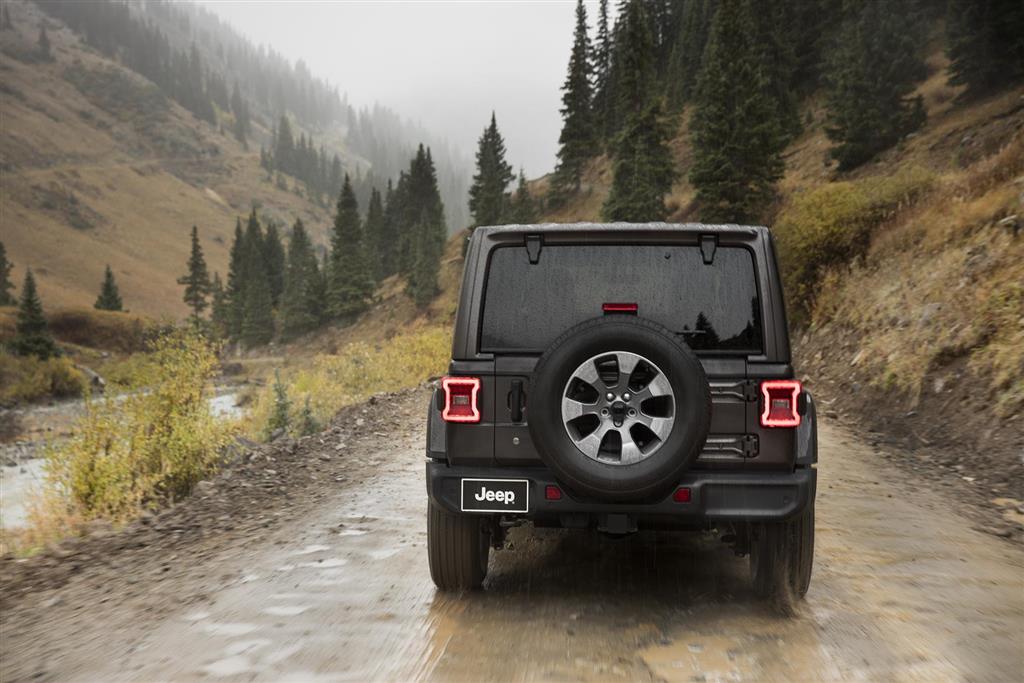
390 232
196 280
349 284
870 78
985 44
258 306
688 51
32 334
43 45
220 315
375 232
109 298
300 304
273 262
643 170
579 135
737 139
6 286
523 209
235 291
424 212
487 200
602 65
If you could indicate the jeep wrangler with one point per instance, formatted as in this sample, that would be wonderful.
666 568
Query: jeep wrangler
622 377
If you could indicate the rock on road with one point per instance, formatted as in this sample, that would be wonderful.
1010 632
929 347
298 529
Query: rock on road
337 588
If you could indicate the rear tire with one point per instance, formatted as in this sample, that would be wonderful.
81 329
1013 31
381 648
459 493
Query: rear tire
781 559
458 547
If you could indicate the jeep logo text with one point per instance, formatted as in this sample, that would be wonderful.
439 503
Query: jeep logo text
508 497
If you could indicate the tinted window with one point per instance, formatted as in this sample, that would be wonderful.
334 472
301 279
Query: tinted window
713 307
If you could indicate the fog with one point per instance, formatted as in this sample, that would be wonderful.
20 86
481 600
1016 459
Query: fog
443 64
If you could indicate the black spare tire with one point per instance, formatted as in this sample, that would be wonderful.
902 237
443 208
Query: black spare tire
619 408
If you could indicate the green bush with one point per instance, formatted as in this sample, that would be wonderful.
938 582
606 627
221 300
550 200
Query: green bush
27 378
146 448
833 224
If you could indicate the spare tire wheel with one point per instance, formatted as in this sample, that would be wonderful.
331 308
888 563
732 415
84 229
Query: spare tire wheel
619 408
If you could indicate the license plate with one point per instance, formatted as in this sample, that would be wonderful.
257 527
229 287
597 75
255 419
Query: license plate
495 495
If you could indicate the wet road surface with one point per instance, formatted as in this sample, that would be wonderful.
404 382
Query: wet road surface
903 590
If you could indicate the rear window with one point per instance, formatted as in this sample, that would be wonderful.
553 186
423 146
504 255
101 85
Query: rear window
713 307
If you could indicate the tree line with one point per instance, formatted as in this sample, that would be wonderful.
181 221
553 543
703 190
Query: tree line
287 287
740 69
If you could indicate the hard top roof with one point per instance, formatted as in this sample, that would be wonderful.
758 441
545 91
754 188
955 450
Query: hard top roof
702 228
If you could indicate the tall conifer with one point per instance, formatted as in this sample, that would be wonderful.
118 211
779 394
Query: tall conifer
737 139
301 307
602 65
196 280
487 198
31 333
985 43
643 170
349 285
374 233
390 233
219 307
871 75
579 135
273 261
235 288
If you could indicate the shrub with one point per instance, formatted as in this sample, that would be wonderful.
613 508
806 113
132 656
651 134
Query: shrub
833 224
145 449
27 378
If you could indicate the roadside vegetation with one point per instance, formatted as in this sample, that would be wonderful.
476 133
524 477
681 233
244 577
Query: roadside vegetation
311 394
137 451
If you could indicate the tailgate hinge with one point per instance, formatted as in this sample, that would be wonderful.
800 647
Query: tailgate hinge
751 390
750 446
534 243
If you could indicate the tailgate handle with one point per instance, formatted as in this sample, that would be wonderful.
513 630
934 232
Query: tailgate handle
515 400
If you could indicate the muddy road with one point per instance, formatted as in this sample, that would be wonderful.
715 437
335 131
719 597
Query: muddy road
317 572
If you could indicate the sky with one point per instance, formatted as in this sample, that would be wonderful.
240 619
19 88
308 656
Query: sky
446 65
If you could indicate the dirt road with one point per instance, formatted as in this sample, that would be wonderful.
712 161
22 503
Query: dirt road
323 576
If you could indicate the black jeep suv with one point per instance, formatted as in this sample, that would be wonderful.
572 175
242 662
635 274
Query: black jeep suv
622 377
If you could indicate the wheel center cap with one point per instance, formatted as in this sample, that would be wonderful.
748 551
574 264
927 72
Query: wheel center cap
618 412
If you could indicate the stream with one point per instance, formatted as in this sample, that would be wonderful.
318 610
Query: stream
22 465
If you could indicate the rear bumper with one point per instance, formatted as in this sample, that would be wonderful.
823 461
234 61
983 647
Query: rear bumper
714 496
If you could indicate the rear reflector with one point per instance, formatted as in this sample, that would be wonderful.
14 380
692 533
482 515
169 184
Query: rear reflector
619 308
552 493
779 403
460 399
682 495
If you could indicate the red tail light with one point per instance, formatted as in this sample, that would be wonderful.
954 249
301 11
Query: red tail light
681 495
619 308
460 399
779 403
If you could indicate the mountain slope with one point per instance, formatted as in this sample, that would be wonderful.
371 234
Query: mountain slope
99 167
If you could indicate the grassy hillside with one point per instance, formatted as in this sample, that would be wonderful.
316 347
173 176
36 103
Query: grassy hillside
905 277
99 167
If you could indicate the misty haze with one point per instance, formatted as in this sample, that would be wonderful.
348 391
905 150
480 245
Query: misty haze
495 340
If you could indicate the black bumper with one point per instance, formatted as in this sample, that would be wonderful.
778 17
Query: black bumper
714 496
